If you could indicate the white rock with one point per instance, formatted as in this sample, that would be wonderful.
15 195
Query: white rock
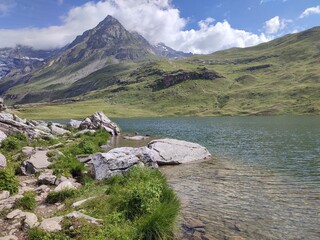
3 136
51 224
31 220
4 195
86 217
79 203
74 123
3 161
28 151
64 185
15 213
172 151
55 130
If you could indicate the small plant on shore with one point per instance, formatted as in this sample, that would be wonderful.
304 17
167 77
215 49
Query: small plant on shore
60 196
28 201
8 181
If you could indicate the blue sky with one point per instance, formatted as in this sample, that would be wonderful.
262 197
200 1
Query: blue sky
199 26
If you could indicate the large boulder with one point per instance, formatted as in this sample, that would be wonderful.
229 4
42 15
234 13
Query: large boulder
58 130
100 121
172 151
119 160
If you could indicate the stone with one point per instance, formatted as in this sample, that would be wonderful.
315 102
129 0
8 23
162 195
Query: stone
15 213
3 136
74 123
31 220
100 121
136 138
28 151
119 160
37 161
79 203
51 224
64 185
172 151
56 130
3 161
85 131
86 217
4 195
47 178
9 237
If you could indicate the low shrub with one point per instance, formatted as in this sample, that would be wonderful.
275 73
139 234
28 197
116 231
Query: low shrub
28 201
60 196
39 234
14 142
8 181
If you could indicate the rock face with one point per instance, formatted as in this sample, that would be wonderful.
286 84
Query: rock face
120 160
172 151
99 121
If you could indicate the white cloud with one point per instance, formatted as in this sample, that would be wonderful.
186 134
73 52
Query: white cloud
275 24
309 11
6 6
157 21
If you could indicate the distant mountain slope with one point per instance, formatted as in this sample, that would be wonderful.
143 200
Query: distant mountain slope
22 60
281 76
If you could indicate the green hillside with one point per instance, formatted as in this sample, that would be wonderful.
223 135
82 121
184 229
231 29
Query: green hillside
278 77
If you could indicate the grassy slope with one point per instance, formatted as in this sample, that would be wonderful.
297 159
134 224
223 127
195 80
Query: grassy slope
279 77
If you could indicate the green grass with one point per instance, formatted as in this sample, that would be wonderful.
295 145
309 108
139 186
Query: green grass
60 196
8 181
28 201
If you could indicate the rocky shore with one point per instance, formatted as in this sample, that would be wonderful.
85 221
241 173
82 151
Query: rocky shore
36 174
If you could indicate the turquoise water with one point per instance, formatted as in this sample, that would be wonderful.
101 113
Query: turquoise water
264 182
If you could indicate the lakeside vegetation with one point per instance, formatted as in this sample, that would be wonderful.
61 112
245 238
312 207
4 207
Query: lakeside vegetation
139 205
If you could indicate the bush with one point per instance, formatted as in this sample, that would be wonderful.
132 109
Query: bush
28 201
68 164
14 142
39 234
60 196
8 181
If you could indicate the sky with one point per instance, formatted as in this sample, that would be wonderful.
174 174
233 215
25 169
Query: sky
197 26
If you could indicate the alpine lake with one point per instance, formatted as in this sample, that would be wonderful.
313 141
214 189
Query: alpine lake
262 183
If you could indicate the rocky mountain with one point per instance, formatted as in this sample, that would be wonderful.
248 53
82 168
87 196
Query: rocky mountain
164 51
122 69
22 60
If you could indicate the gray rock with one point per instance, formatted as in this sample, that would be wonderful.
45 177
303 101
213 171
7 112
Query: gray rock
64 185
3 136
172 151
3 107
120 160
14 214
47 178
56 130
28 151
37 161
30 221
74 123
3 161
86 217
4 195
51 224
85 131
99 120
79 203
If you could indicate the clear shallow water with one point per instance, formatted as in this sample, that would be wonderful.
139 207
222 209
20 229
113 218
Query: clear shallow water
264 182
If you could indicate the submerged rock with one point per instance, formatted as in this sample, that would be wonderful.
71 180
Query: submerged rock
173 151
